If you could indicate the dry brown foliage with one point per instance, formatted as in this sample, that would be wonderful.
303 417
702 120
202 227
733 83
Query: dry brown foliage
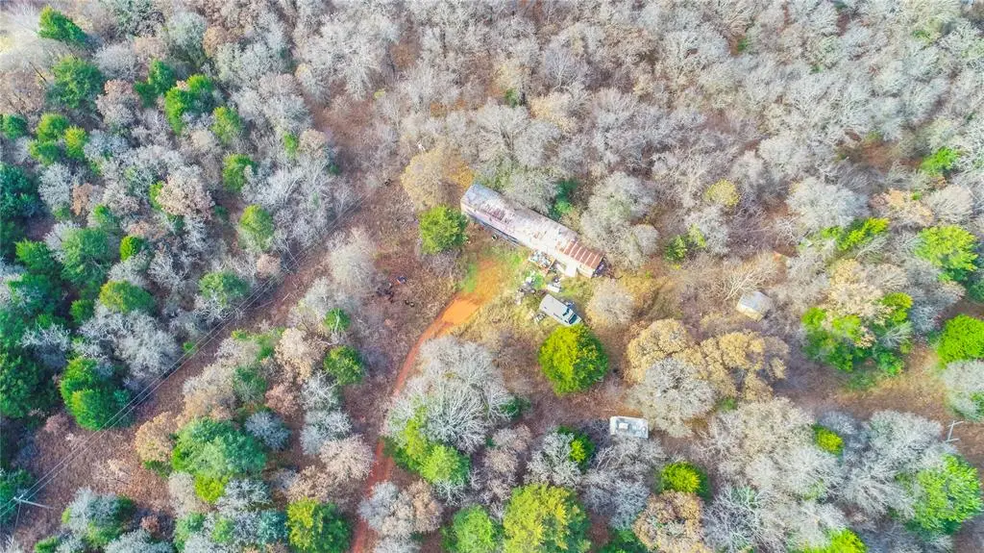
299 353
420 500
311 483
740 364
903 208
431 177
555 108
57 423
209 394
153 439
214 38
313 143
152 524
150 48
671 523
184 194
736 364
282 398
661 339
268 266
83 197
854 290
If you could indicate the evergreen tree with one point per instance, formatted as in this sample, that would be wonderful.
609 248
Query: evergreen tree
573 359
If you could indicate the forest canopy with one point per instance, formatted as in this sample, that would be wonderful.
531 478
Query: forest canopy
243 308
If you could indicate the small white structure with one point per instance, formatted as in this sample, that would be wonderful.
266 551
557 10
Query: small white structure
559 311
754 305
628 426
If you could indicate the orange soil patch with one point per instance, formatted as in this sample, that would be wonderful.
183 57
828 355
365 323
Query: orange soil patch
457 311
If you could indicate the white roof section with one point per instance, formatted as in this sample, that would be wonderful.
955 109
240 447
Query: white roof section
628 426
530 229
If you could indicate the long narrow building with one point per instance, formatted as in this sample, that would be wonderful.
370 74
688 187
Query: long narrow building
528 228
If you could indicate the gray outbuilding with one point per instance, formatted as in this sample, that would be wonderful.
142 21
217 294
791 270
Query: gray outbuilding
754 305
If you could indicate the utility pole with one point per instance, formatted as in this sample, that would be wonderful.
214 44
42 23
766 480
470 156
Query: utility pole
20 500
949 434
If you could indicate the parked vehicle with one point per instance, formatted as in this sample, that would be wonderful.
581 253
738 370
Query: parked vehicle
562 312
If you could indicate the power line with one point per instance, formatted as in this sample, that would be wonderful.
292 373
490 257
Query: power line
145 393
138 398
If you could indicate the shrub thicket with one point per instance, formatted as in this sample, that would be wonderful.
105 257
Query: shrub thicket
544 518
962 338
442 229
345 364
317 527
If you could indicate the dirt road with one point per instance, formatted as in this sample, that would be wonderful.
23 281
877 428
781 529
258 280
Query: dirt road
461 307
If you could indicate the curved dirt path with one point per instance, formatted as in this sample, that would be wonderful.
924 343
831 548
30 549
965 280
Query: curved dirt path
461 307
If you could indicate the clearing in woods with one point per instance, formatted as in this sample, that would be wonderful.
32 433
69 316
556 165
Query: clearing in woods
491 273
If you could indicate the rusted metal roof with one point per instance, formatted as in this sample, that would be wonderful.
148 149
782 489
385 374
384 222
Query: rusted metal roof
529 227
582 254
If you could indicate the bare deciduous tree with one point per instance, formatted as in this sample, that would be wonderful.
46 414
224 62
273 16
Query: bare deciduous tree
765 456
738 277
348 459
459 391
498 470
877 452
551 462
181 489
964 382
671 394
351 264
269 429
611 304
821 205
395 513
350 48
619 477
137 541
